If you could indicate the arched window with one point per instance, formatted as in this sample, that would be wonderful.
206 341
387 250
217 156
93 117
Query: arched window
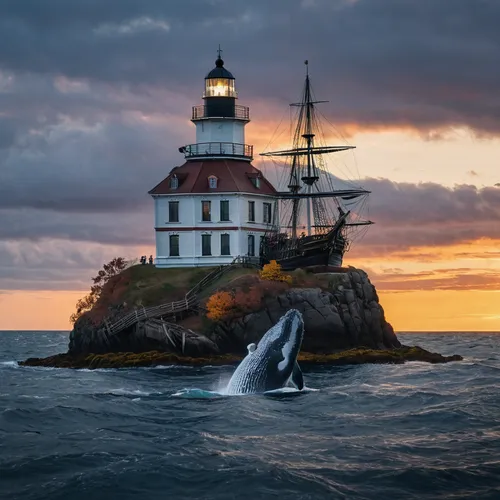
174 182
212 182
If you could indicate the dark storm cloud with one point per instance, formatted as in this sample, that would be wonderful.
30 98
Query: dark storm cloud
95 100
77 147
76 77
382 62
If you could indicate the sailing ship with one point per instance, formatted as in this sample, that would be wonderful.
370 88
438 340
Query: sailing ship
315 219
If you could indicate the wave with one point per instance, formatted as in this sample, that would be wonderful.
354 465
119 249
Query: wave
10 364
130 392
412 431
206 394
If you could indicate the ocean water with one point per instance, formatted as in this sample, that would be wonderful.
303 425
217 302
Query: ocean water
413 431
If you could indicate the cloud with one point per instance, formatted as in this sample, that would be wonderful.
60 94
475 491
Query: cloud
95 99
438 279
383 62
56 264
428 215
122 228
133 26
72 146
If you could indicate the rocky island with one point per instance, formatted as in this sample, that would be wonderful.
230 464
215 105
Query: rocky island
146 316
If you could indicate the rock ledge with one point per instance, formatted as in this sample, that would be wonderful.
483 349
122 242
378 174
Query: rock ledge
156 358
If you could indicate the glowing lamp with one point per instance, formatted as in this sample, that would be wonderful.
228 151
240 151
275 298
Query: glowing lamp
219 87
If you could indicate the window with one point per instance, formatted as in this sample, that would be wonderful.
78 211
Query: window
206 244
267 213
261 246
174 245
224 210
255 180
251 245
174 182
212 182
206 213
251 211
224 244
173 211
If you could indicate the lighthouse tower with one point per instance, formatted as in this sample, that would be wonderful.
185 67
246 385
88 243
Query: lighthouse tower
217 205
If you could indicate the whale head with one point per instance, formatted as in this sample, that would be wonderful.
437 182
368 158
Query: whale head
280 347
273 362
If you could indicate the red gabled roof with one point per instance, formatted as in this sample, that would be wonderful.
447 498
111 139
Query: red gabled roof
232 176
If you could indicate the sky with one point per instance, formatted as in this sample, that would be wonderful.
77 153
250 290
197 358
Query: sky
95 100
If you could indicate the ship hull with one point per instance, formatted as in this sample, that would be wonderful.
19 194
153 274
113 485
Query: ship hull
324 258
319 255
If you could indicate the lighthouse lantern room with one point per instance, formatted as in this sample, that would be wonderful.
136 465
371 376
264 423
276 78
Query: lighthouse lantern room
217 205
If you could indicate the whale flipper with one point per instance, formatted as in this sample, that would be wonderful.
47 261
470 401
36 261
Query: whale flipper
297 379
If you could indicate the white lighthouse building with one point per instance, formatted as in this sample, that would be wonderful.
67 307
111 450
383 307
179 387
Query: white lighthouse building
216 206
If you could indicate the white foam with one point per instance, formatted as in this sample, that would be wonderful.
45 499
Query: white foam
289 390
128 392
10 364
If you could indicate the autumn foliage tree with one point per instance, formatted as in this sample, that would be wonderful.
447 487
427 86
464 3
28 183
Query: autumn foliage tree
223 305
112 268
220 306
273 272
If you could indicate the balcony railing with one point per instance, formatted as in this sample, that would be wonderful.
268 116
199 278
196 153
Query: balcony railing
204 149
240 113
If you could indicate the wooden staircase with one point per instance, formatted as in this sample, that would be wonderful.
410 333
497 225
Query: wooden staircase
171 309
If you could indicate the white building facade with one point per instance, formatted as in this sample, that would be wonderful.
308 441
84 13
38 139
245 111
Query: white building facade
216 206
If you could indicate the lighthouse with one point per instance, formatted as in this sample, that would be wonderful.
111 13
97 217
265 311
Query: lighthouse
217 205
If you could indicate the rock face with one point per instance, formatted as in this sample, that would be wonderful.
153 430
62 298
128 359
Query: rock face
342 314
152 335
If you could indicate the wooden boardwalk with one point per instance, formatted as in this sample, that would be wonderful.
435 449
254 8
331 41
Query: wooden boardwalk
189 303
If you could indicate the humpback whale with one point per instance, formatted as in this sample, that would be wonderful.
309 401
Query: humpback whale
273 362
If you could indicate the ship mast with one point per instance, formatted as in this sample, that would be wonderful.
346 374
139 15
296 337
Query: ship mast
304 174
309 136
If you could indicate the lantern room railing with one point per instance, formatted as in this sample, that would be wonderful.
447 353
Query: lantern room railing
228 149
202 111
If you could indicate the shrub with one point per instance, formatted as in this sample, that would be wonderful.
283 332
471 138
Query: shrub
273 272
220 306
223 306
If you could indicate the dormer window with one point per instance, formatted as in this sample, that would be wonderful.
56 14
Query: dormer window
255 180
212 182
174 182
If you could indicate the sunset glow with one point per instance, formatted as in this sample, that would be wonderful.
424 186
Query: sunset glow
81 145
